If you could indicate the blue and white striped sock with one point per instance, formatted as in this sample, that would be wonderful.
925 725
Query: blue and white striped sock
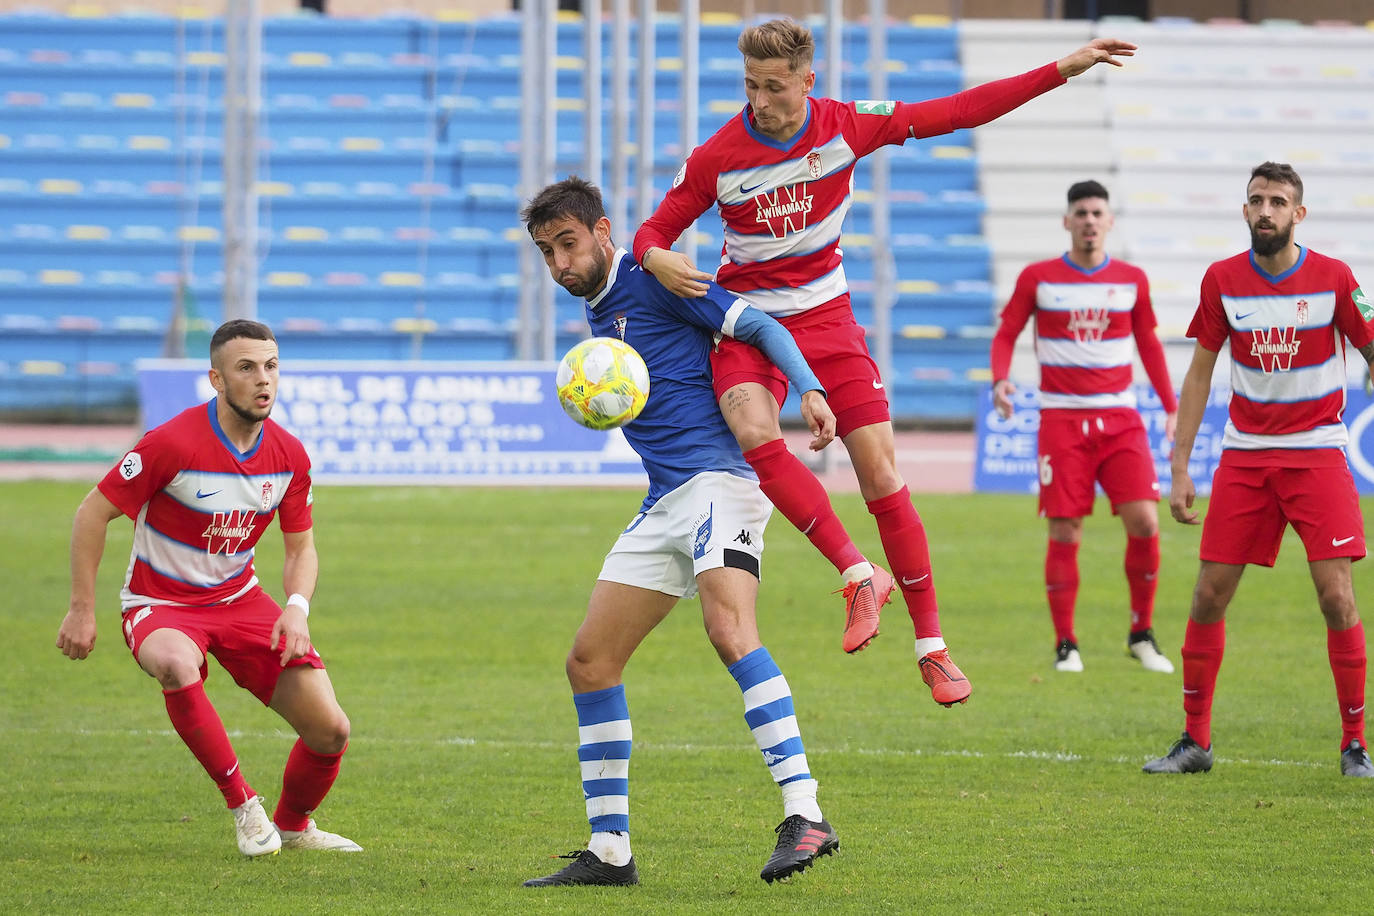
769 714
604 740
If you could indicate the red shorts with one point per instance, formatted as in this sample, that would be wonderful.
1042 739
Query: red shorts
1082 448
1251 506
236 634
833 344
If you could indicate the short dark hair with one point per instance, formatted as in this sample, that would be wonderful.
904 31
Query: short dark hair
1280 172
572 197
235 328
779 38
1081 189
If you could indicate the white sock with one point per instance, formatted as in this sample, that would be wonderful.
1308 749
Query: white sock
858 572
928 645
610 847
799 797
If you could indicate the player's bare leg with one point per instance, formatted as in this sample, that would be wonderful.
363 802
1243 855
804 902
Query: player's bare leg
872 450
175 660
304 697
751 412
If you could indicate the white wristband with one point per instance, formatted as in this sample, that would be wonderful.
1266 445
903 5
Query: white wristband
301 602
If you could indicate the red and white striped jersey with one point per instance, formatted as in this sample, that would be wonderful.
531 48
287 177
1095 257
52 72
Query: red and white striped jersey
782 203
1088 324
199 506
1288 368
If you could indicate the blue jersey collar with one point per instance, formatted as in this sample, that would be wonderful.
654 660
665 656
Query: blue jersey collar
1278 278
212 410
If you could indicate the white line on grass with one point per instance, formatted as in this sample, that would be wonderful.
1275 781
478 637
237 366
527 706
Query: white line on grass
465 741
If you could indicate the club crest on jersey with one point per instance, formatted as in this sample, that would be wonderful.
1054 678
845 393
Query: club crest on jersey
813 163
620 322
785 210
1275 348
1089 324
1302 311
266 496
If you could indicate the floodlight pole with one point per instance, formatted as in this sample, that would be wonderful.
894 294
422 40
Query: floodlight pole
242 107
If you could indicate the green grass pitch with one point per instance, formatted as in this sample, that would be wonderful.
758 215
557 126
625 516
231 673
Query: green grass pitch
445 616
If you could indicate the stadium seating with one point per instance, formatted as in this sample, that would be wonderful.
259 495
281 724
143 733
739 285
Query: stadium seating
390 159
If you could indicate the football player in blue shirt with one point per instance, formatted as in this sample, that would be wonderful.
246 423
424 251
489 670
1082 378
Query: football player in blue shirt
698 531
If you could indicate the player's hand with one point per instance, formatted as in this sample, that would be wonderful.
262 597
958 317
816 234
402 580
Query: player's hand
1181 496
1097 51
819 419
76 636
291 634
1001 398
677 273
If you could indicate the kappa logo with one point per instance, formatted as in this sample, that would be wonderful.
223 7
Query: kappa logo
744 538
1275 348
771 758
131 466
1089 324
784 211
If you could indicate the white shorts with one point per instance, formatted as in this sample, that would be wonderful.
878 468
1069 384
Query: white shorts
712 521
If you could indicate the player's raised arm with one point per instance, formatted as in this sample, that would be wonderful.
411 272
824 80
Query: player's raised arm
76 636
1097 51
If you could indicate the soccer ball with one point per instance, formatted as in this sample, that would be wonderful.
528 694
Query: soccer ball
602 383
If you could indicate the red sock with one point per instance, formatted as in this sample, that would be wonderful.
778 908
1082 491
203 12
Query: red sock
304 784
799 496
1142 577
1346 650
1203 646
1061 587
908 557
199 726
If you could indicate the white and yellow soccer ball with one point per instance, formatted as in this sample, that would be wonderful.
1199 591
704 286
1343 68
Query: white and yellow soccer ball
602 383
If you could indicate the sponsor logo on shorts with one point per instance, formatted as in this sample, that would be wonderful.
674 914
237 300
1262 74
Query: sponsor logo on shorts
1341 542
703 535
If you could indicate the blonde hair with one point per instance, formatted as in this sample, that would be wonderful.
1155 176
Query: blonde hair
780 38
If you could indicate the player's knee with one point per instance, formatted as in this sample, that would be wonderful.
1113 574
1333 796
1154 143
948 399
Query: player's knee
173 669
731 637
587 672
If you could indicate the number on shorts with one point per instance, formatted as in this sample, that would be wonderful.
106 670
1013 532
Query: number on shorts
1046 472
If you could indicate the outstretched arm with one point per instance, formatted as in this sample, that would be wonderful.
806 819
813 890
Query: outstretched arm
76 636
987 102
1097 51
756 327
